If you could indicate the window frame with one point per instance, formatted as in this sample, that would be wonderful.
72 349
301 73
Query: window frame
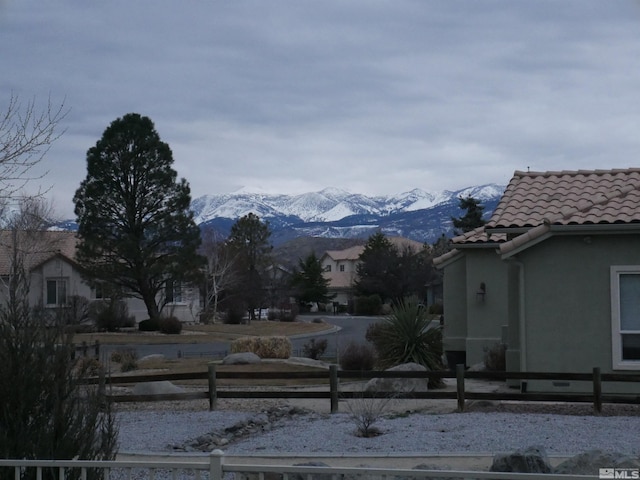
618 362
173 286
64 281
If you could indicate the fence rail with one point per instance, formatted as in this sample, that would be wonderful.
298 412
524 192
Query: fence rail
334 393
215 467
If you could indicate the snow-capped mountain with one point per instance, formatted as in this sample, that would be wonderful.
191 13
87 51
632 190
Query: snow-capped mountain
420 215
334 213
328 205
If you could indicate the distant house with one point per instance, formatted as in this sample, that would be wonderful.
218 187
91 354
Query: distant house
341 267
55 276
555 274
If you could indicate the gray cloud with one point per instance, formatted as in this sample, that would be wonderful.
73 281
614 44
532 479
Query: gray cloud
370 96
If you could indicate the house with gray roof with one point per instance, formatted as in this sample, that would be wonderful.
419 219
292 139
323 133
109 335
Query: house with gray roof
554 274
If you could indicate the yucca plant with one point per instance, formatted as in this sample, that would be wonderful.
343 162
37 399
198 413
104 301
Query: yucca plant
406 335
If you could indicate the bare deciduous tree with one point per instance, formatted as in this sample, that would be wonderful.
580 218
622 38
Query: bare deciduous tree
26 135
221 272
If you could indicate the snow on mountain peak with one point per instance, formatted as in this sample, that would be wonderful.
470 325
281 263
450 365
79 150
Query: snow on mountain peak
327 205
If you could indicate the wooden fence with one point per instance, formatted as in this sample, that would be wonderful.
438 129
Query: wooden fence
334 393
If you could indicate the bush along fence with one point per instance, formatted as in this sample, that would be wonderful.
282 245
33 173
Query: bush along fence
334 393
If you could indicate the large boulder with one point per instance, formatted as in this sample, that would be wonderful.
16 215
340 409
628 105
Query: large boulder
243 358
400 385
528 460
156 388
589 463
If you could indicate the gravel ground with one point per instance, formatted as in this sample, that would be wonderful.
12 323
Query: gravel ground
487 428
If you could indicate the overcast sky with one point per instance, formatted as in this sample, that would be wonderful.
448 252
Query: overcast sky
371 96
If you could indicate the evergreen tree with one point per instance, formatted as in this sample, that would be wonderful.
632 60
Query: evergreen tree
134 224
308 282
249 241
472 218
378 268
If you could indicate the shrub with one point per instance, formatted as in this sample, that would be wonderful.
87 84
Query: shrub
264 347
495 358
289 314
233 316
91 366
406 336
127 358
170 326
368 305
364 412
357 356
48 412
110 315
315 350
149 325
76 311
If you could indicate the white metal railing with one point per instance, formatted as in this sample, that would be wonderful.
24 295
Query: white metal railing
215 468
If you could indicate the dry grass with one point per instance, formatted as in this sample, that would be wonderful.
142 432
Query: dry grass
204 333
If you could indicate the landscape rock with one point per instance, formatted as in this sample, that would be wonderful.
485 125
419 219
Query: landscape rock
400 385
156 388
528 460
589 463
243 358
252 425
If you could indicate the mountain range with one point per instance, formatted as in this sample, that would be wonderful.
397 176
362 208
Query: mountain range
334 213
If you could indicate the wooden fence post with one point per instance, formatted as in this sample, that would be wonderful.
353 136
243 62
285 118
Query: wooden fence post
97 349
460 386
597 390
213 393
333 387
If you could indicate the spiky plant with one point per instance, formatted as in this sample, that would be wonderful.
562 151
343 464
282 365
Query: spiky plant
406 335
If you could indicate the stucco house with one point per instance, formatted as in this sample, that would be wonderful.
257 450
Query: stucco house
555 274
55 276
340 267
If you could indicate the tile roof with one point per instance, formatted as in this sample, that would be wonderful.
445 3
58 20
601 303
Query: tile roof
39 247
535 204
583 197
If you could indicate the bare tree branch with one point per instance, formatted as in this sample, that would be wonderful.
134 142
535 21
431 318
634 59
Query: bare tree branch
26 135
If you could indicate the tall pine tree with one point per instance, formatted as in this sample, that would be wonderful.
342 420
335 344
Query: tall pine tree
134 224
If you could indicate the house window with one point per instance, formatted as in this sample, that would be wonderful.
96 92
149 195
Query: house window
57 291
327 268
342 268
173 292
625 306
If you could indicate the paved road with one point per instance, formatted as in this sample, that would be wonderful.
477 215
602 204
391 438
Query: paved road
349 329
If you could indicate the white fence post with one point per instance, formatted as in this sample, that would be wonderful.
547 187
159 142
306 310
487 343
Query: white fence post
216 457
